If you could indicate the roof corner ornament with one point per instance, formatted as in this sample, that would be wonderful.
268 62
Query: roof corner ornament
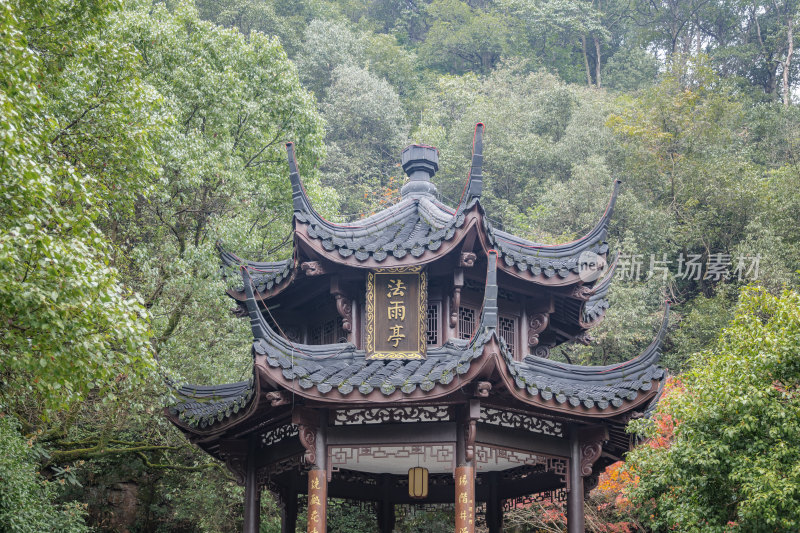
467 259
475 181
482 389
312 268
277 398
299 199
420 162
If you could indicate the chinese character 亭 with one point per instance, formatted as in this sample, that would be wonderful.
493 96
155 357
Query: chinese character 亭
396 336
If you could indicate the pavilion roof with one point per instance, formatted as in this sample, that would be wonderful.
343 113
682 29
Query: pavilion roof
340 372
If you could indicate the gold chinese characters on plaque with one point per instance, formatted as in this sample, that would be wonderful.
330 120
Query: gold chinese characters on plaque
397 300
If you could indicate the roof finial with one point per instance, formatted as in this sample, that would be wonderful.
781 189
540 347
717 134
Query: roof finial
299 200
420 163
475 180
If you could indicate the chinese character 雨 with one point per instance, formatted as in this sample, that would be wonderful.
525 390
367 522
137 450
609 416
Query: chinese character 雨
396 336
397 311
396 288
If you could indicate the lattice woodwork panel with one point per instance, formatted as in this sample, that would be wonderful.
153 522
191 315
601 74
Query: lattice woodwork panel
433 324
557 495
393 415
278 434
467 320
510 419
508 332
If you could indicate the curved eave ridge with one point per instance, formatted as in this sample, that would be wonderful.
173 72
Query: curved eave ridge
203 406
342 367
599 387
412 226
594 309
265 275
552 260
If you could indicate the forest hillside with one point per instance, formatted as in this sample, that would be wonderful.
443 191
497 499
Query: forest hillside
135 134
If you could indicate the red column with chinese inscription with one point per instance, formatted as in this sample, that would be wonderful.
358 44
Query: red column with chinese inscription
317 501
465 499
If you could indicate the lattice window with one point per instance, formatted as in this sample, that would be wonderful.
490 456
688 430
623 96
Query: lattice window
433 324
328 332
466 322
508 331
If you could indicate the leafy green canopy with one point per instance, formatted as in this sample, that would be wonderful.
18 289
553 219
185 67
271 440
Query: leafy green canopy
734 462
232 102
67 326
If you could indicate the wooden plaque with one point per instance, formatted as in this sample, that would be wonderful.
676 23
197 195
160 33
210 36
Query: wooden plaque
397 313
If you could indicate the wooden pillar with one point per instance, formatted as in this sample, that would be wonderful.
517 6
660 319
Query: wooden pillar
494 505
317 501
252 494
386 516
575 518
317 457
465 469
289 511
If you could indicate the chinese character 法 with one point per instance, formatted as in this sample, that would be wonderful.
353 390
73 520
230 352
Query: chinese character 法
396 288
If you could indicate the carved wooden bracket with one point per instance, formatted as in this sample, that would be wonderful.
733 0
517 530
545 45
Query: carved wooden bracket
455 303
345 308
307 424
542 351
234 453
277 398
482 389
455 300
590 452
537 323
312 268
467 259
308 438
471 429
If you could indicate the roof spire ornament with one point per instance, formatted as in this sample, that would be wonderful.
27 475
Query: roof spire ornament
299 199
420 162
475 180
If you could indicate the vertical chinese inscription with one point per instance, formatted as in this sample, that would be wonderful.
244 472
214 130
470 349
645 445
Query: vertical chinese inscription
396 313
465 499
317 501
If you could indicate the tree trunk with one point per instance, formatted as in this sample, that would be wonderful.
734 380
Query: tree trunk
586 61
787 65
598 62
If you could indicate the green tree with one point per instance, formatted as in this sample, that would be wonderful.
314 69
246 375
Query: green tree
69 328
366 130
733 461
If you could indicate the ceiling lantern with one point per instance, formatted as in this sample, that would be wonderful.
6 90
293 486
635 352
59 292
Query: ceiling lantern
418 482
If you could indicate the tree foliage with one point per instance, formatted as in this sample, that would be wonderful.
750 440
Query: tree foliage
732 464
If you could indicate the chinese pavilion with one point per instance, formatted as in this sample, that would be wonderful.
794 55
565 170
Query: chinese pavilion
404 358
